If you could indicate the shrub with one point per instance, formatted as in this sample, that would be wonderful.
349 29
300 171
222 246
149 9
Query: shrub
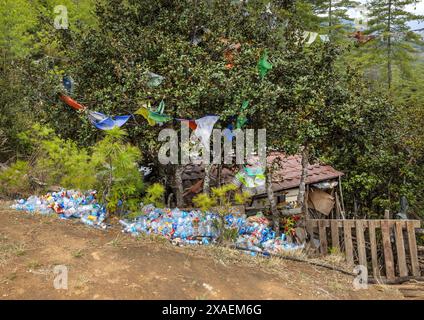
204 201
221 196
58 161
117 178
15 179
154 195
110 166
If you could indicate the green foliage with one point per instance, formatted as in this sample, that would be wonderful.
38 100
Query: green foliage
242 197
58 161
331 13
17 18
314 96
229 234
110 166
154 195
222 194
117 176
395 46
204 201
15 179
221 198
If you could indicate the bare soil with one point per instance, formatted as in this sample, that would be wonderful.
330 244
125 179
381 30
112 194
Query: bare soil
111 265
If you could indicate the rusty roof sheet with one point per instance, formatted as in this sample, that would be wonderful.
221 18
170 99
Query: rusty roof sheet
287 176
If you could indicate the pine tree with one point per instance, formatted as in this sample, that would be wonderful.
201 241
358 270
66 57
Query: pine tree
388 21
333 14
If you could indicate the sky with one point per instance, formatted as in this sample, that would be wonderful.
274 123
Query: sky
418 9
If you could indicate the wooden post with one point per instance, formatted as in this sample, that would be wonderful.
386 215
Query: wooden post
306 203
373 242
347 229
360 242
341 197
335 239
412 241
338 207
400 249
322 237
388 253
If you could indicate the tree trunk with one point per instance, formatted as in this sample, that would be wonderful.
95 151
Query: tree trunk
271 199
179 188
207 180
303 176
389 46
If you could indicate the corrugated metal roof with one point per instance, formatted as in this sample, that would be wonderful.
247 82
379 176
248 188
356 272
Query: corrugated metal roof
287 176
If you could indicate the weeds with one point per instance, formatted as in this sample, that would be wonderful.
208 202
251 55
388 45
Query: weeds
78 253
33 264
115 242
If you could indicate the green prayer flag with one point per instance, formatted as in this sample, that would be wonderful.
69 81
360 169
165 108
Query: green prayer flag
158 117
242 120
263 65
154 117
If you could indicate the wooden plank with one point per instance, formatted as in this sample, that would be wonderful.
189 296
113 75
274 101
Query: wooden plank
310 227
323 237
340 222
360 241
373 242
400 249
310 230
325 222
335 238
338 207
347 230
412 241
307 214
387 248
283 212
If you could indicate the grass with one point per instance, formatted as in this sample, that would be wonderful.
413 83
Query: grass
8 250
82 282
116 242
33 264
335 286
78 253
3 237
152 238
47 219
202 297
10 277
19 250
335 258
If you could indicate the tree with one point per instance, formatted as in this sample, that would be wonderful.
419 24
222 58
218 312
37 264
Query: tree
333 14
311 100
31 62
394 45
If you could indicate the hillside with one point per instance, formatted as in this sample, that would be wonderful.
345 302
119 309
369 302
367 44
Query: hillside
111 265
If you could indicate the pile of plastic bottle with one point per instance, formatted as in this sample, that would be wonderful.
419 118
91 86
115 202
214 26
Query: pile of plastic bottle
197 227
179 226
67 204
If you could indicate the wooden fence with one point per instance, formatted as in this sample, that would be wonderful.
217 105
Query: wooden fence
388 248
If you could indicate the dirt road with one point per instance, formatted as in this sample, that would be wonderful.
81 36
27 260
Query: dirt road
112 265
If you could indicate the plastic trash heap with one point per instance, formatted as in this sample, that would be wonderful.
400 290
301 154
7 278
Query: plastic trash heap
67 204
197 227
